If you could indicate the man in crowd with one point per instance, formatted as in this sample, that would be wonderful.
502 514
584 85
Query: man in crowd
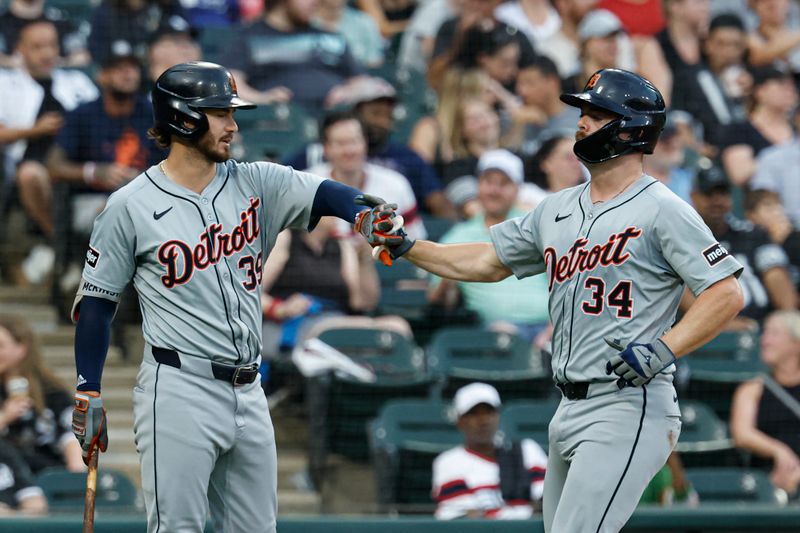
35 97
174 42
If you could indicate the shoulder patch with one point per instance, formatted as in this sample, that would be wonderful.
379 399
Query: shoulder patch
714 254
92 257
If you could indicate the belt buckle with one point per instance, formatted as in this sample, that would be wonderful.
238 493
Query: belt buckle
237 373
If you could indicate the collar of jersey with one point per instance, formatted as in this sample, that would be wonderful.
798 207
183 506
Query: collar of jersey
633 190
170 186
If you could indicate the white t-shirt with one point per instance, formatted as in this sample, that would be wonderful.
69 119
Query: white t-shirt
512 14
464 480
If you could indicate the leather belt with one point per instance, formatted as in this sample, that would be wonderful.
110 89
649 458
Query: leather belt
574 391
235 375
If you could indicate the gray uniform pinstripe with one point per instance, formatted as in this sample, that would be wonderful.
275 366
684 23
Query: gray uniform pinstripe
616 269
195 261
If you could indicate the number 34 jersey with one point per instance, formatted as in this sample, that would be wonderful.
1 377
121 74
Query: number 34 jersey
614 268
196 260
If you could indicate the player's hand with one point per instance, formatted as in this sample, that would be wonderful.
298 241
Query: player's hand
89 423
637 363
382 227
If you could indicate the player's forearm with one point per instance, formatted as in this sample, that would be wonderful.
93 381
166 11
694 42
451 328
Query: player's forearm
92 339
475 261
707 316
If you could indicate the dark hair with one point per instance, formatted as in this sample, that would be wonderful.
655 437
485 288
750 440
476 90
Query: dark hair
726 20
756 197
478 42
543 64
162 138
334 118
534 172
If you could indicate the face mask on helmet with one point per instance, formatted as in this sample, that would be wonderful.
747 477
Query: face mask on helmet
602 145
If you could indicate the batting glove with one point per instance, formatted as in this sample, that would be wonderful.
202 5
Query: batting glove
637 363
382 228
89 423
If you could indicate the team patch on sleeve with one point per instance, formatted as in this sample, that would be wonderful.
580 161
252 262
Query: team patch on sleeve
92 257
714 254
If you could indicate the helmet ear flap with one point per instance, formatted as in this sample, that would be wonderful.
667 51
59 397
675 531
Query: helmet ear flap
181 114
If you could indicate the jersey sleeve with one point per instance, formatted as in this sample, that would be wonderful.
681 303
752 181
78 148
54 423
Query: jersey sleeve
288 195
518 244
535 461
110 259
690 248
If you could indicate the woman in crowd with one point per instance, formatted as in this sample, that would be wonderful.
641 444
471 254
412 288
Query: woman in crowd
553 168
36 410
765 419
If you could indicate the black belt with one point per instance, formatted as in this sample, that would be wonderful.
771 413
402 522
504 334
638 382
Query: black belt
235 375
574 391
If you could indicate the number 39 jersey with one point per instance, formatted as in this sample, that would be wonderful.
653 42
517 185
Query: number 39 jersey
196 259
614 268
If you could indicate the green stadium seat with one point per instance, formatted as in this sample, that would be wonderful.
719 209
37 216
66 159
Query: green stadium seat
463 355
214 41
401 273
340 407
271 132
528 419
734 486
436 227
404 440
719 366
65 491
704 439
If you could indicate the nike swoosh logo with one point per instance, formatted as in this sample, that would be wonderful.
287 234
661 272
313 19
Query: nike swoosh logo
156 216
559 219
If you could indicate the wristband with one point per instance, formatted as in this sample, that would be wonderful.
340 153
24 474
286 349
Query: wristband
90 172
270 313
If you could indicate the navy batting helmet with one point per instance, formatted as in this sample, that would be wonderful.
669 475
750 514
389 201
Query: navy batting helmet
640 109
182 92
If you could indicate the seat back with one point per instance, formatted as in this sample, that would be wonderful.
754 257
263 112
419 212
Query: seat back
65 491
528 419
733 485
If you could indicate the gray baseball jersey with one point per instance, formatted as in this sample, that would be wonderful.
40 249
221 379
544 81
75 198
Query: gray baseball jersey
196 262
614 268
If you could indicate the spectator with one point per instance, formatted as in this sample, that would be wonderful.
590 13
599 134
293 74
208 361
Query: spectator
374 101
514 305
476 130
458 37
777 170
282 57
18 493
495 51
563 46
174 42
666 162
479 479
315 281
416 45
603 44
71 39
391 16
35 97
639 17
553 168
772 99
763 420
36 411
358 28
345 145
773 42
670 485
536 19
715 96
763 208
765 280
681 41
127 25
542 114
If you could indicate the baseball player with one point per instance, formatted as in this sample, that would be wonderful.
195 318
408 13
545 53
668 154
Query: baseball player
193 234
617 252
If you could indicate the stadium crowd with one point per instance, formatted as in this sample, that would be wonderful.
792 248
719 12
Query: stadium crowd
449 108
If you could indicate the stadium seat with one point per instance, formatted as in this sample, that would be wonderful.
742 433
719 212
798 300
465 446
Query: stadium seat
65 490
273 131
528 419
719 366
340 407
734 486
463 355
404 440
704 439
436 227
401 273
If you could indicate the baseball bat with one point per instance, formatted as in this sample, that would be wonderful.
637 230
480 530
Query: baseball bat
91 493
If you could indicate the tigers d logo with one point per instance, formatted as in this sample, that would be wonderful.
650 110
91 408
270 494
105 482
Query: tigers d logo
593 80
232 84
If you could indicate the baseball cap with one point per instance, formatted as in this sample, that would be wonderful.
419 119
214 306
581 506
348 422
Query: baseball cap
710 179
504 161
369 89
118 52
469 396
762 75
461 190
174 25
599 23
